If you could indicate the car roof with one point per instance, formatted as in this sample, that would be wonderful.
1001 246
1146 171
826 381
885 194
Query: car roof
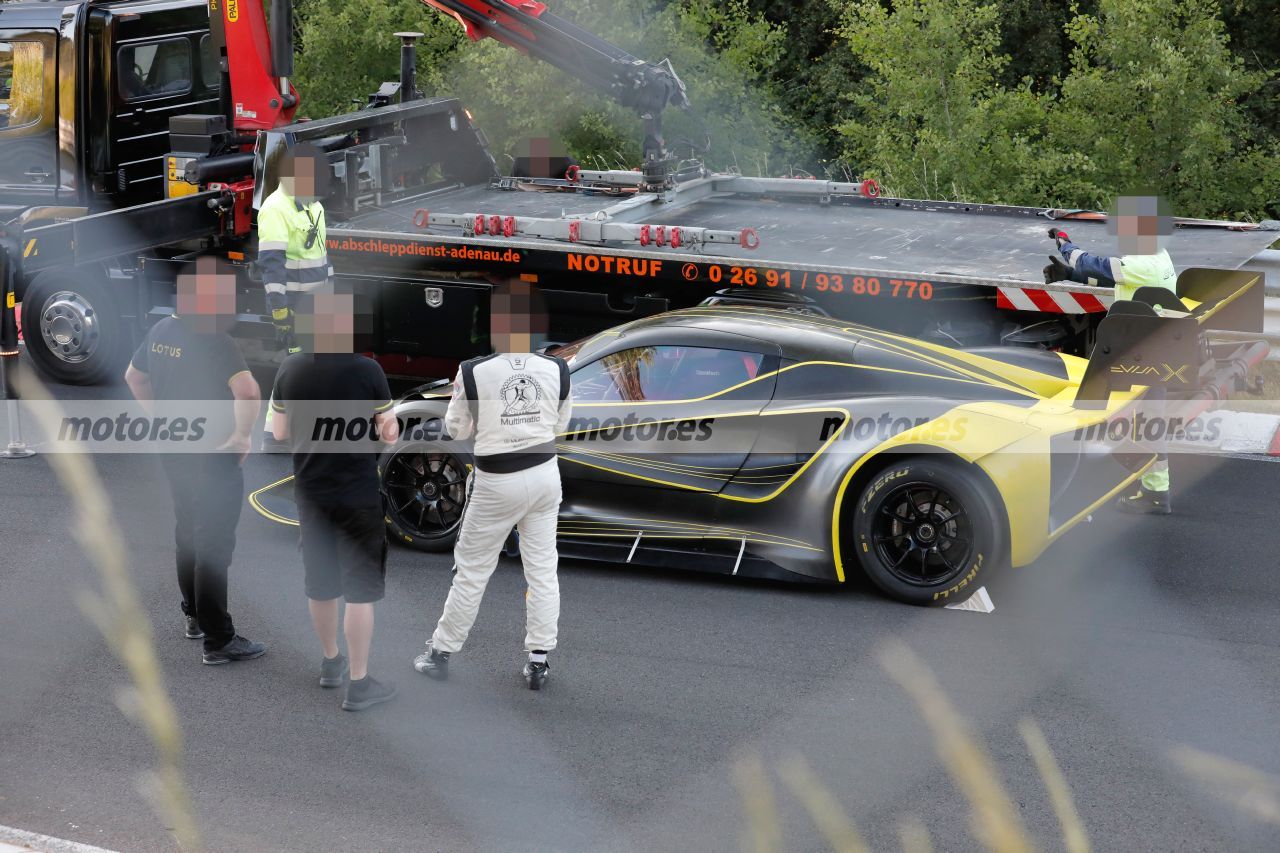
791 334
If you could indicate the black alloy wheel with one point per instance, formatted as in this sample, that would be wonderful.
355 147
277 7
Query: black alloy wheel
423 493
925 528
922 534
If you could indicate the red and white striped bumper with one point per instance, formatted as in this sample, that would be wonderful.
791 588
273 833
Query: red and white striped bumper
1049 301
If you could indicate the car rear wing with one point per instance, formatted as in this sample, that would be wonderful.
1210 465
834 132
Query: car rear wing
1153 340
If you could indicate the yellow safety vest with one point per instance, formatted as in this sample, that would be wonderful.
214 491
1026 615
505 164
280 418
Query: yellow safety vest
1146 271
291 245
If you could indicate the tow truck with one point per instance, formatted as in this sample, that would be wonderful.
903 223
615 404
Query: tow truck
136 134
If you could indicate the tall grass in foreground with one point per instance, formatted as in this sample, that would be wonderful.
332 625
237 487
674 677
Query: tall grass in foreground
120 616
994 818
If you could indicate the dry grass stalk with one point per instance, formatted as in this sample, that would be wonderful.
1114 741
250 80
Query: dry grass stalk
119 615
995 820
1248 789
914 835
763 834
827 814
1074 837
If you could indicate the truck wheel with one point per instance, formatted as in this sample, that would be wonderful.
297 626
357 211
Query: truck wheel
73 328
423 493
925 529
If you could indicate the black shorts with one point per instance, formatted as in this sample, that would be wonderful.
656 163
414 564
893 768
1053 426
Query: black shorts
344 552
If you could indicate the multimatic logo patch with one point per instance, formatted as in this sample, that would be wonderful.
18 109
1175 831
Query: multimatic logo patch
520 395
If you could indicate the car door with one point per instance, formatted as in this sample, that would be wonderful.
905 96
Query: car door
659 429
28 117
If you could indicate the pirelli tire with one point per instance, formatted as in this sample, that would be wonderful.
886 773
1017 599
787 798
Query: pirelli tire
926 529
424 492
73 328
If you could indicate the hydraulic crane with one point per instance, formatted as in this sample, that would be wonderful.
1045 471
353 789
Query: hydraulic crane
255 62
648 88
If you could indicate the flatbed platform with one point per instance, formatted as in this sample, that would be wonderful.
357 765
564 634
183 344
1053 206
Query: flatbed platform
947 241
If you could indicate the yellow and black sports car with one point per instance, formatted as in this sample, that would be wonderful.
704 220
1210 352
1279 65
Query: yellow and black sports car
758 441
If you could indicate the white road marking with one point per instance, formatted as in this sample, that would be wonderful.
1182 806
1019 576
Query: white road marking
10 835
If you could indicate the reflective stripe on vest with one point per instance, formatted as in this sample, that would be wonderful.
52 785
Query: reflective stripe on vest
287 262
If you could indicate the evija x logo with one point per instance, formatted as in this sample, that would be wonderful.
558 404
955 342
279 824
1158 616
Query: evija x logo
1167 375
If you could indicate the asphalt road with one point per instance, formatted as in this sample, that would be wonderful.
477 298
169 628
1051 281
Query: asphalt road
1126 640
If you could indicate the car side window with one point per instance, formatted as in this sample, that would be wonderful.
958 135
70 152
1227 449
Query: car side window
664 373
21 83
155 69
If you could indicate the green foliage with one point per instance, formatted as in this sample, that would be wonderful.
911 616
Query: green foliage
1152 100
1045 102
724 53
1034 36
935 123
814 75
721 51
347 50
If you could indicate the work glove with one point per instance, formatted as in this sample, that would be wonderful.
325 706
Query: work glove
282 319
1059 237
1056 271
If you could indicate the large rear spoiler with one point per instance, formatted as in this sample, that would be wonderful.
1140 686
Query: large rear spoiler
1153 339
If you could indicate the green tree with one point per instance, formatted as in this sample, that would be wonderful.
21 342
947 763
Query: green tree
1153 100
347 50
721 51
935 121
814 74
1033 35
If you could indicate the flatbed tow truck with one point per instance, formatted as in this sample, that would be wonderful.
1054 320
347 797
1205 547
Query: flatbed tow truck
422 221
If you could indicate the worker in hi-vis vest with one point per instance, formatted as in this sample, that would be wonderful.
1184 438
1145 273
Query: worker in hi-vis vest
291 240
1138 222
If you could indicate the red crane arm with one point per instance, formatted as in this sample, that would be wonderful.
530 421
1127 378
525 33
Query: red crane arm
255 79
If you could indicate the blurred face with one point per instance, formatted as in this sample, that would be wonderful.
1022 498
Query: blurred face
1138 223
301 179
332 326
208 296
516 323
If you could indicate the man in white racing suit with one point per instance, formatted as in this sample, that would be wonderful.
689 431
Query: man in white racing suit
515 402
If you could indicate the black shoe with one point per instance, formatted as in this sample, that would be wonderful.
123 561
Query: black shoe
1146 503
432 663
535 674
333 670
193 629
511 548
238 649
366 693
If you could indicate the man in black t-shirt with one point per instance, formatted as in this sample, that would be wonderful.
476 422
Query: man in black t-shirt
334 408
190 357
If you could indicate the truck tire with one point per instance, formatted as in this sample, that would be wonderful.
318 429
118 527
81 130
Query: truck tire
925 529
73 329
423 495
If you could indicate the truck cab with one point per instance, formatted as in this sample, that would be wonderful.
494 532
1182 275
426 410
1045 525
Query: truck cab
87 88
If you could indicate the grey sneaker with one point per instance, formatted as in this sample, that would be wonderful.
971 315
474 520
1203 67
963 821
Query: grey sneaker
238 649
1144 502
193 629
366 693
333 670
432 663
535 674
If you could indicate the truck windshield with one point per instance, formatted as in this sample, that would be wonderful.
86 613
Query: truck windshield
21 83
